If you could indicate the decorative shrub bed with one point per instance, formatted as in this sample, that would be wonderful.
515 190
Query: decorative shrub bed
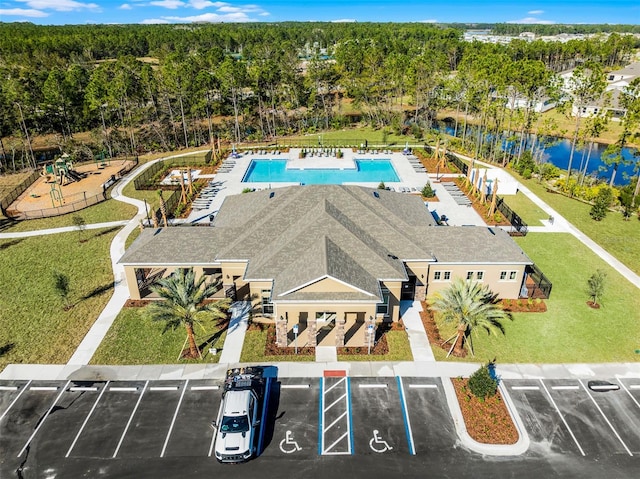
487 420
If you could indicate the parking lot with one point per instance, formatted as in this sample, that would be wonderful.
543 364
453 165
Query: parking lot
50 426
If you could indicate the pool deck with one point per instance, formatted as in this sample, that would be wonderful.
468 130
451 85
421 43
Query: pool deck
230 182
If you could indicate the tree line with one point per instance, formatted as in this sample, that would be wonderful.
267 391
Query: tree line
140 88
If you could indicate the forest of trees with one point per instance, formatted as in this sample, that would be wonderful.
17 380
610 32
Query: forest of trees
140 88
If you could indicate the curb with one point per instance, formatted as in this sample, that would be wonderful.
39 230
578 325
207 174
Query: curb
520 447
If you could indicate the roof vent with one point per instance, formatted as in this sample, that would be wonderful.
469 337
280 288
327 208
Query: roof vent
272 194
376 194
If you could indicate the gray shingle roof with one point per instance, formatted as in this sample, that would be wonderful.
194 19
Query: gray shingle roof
299 234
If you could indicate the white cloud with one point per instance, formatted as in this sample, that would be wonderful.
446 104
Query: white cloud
23 12
533 21
60 5
230 9
535 12
125 6
154 21
430 20
344 20
170 4
200 4
239 17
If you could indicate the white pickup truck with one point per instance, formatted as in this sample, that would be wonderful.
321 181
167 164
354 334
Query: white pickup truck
238 423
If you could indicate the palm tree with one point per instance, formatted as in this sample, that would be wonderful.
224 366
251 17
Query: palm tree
470 305
183 303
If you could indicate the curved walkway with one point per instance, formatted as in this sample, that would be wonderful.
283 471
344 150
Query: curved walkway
63 229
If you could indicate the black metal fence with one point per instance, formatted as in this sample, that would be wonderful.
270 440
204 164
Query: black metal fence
518 226
537 284
17 190
458 163
171 203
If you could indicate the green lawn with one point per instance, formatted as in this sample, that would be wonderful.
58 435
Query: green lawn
135 339
35 328
110 210
525 208
569 331
618 237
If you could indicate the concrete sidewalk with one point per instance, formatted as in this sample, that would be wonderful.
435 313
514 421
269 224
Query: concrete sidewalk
63 229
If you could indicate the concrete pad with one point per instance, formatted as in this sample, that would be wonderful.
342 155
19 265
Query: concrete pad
172 371
194 371
326 354
31 371
149 372
215 371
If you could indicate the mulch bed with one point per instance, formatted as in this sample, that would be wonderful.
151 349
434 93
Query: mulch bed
524 305
136 303
381 346
481 208
487 420
430 163
433 333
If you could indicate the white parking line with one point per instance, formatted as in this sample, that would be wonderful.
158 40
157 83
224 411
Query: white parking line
605 418
44 388
564 388
630 395
634 386
82 388
123 389
86 420
525 388
8 388
43 420
335 402
423 386
372 386
124 433
340 381
295 386
15 400
163 388
175 415
562 417
205 388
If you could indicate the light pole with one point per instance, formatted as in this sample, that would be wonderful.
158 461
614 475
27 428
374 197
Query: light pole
295 338
371 333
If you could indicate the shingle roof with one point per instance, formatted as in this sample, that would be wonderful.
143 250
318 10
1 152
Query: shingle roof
300 234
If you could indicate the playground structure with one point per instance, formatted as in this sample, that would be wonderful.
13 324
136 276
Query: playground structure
61 171
49 196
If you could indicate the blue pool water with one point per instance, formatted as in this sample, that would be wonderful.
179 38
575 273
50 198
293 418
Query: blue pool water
275 171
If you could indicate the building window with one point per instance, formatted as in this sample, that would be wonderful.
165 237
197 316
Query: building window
436 276
469 275
447 275
512 275
480 275
383 308
267 305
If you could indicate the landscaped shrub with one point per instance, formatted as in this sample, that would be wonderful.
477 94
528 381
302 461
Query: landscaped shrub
482 384
427 191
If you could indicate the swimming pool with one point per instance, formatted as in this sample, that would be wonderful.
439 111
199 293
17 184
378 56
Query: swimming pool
275 171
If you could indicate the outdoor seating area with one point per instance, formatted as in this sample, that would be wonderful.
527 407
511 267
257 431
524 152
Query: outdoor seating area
226 166
455 192
206 196
416 164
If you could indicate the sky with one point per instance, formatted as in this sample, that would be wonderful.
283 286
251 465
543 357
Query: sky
59 12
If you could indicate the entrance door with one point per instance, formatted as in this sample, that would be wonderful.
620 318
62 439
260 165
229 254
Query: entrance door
408 289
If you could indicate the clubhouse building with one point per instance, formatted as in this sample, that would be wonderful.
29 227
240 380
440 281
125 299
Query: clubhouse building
331 259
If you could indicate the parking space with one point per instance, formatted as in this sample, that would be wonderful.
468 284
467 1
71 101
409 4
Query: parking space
47 421
191 434
378 423
25 414
294 419
430 426
566 416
